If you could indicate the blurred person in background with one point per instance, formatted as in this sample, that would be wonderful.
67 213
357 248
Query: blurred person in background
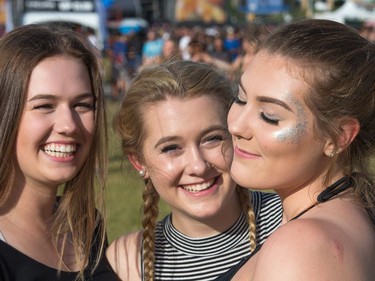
152 48
232 43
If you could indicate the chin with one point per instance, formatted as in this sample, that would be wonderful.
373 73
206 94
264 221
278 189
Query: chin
241 176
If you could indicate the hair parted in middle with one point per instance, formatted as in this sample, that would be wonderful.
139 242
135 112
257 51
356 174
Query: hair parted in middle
22 50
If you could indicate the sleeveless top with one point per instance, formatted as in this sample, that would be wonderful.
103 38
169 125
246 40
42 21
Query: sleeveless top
16 266
178 257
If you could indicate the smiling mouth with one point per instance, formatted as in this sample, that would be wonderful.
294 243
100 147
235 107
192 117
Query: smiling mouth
60 150
194 188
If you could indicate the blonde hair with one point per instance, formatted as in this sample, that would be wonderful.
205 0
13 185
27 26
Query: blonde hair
179 79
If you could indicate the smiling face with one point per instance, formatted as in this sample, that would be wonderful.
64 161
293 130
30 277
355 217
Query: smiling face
183 157
275 144
55 131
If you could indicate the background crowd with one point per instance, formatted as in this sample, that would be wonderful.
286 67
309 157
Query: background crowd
226 47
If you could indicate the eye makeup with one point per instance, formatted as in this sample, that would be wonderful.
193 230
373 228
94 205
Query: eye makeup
294 133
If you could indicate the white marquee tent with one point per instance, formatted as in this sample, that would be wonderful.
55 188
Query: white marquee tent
350 10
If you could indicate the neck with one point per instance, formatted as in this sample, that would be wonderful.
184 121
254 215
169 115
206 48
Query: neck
29 203
325 194
198 227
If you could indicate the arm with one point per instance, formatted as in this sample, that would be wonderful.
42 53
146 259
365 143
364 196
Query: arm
124 256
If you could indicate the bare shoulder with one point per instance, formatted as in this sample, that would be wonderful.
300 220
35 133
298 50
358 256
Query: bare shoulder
124 255
309 249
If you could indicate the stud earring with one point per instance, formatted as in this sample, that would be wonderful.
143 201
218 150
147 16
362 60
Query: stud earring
142 173
332 153
209 165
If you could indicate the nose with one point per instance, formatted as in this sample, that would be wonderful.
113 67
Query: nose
66 121
196 163
238 120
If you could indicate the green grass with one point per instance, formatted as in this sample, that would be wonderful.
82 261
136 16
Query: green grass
124 188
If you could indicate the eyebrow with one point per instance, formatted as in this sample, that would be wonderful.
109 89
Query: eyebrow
204 132
264 99
53 97
274 101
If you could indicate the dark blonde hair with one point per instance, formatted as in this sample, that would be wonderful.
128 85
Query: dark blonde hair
76 217
179 79
338 65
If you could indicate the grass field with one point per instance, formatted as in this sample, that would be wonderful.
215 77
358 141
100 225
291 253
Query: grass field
124 191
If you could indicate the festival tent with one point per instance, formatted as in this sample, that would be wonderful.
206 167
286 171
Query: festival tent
349 11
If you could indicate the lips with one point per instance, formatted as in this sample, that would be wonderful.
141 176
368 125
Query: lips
199 187
60 150
244 154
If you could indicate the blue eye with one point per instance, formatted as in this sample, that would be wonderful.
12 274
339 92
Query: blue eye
271 121
170 148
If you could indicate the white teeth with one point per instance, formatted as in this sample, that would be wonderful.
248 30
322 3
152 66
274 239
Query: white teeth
199 187
60 150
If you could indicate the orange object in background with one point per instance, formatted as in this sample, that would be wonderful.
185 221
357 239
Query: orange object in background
200 10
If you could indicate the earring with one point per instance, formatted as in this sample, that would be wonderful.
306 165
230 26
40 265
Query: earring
209 164
142 173
332 153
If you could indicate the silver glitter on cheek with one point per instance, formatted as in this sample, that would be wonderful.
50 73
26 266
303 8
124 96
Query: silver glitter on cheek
294 134
291 134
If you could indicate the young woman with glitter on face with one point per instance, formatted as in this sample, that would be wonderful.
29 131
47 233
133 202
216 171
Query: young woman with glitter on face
303 125
53 150
172 124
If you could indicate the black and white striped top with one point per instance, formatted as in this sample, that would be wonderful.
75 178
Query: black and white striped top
178 257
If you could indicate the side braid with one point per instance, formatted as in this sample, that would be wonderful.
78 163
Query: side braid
150 215
245 198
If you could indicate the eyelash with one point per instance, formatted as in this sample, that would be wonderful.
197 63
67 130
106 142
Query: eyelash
43 106
49 106
268 120
238 101
210 139
86 105
214 138
169 148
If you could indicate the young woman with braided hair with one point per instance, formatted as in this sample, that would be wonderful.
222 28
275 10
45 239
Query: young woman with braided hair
172 123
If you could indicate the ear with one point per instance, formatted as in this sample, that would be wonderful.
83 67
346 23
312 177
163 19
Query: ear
349 129
137 164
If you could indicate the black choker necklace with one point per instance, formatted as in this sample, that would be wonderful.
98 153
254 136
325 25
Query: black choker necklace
332 190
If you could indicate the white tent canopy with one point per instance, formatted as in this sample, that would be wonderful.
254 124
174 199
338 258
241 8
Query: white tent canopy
87 19
91 20
348 11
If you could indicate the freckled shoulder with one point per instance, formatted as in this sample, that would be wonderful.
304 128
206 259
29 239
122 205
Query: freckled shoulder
304 249
124 256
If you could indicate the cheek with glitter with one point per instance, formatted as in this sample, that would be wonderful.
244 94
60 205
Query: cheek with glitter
291 134
294 134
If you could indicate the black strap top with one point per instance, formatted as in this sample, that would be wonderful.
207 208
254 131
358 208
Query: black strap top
331 191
